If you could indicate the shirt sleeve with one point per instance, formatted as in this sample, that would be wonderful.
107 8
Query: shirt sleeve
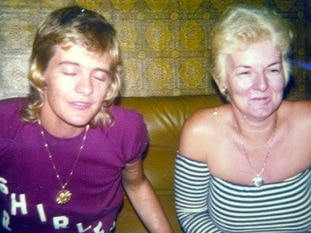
135 139
10 121
191 183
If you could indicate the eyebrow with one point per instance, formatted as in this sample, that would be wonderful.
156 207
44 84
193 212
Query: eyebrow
68 63
275 63
246 66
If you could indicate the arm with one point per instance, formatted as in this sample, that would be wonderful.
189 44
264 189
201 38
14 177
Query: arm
192 175
191 194
143 198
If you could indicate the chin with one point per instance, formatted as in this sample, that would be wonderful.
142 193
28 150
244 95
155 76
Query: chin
79 122
262 113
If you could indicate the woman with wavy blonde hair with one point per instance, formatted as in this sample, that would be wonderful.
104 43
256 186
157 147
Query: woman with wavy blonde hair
246 166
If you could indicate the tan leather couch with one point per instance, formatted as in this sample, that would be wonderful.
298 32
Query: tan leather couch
164 117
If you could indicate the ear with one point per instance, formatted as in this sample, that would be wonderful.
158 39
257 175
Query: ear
222 87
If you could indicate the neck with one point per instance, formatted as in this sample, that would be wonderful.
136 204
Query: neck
255 132
61 129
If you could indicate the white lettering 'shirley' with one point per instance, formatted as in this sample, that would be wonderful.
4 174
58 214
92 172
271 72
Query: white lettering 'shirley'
19 206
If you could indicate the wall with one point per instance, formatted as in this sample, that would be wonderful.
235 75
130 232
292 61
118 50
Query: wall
165 42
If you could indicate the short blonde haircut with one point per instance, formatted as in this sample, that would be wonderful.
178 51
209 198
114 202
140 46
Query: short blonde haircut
243 24
79 26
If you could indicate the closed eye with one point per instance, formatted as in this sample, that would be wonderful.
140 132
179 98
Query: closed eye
70 73
102 75
69 69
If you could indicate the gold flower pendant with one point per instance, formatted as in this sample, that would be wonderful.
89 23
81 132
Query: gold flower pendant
63 196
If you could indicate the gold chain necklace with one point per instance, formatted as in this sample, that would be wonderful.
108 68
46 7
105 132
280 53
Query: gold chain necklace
64 195
258 179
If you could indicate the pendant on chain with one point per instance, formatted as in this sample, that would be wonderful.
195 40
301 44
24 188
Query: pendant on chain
258 181
63 196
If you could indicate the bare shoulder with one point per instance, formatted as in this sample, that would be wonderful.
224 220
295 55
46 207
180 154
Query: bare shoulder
298 111
295 116
199 132
204 119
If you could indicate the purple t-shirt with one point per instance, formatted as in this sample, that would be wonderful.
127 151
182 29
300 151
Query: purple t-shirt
28 184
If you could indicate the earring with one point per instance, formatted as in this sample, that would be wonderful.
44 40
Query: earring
225 90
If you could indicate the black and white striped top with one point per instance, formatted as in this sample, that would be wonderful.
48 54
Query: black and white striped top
208 204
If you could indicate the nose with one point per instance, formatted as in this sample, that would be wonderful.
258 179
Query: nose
84 85
261 82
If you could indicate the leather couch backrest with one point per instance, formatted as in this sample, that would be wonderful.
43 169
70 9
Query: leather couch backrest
164 117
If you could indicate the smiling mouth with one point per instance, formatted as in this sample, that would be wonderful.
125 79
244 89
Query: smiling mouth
260 99
80 105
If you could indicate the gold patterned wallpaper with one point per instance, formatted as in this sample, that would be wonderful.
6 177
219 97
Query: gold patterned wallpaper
165 42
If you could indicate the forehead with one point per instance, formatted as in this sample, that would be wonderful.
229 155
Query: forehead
263 52
82 55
